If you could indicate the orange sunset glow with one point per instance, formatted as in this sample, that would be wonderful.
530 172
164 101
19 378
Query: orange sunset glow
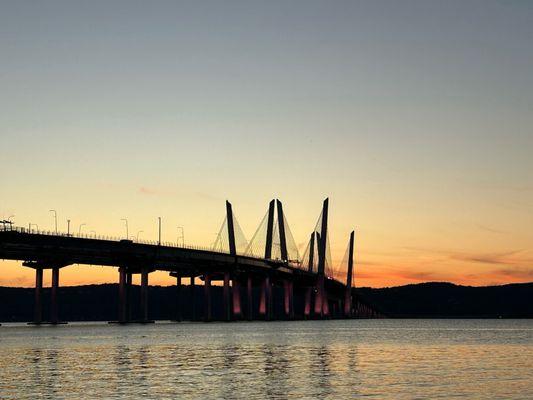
421 143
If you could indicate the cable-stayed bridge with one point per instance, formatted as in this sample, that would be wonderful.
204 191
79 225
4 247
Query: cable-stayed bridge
268 261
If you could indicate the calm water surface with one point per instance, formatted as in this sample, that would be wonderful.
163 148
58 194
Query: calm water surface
400 359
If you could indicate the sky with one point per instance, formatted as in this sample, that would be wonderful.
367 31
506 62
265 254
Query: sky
415 118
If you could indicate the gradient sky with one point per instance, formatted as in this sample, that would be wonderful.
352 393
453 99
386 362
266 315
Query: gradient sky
414 117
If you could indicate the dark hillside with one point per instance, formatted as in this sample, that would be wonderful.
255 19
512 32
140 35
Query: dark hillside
426 300
433 300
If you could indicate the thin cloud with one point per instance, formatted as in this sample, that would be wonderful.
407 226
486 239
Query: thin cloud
491 230
416 275
208 196
147 191
516 273
504 258
510 258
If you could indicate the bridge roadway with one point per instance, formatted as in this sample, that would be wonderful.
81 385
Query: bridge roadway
48 250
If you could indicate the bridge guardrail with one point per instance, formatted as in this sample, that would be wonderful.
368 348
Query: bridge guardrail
9 227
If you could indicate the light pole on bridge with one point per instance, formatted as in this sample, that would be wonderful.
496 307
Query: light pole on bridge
159 218
126 222
79 229
137 237
55 218
182 236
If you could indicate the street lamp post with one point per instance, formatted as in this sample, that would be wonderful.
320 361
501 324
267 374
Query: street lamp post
55 218
126 222
137 237
182 236
159 218
79 230
68 227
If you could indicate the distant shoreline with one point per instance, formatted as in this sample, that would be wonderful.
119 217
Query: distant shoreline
432 300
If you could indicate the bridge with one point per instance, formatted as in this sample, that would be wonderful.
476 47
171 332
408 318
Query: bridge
269 260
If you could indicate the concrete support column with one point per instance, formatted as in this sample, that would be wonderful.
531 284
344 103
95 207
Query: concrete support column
54 314
307 304
236 291
319 295
269 298
227 301
144 295
178 297
249 297
321 299
122 296
129 281
263 300
286 299
291 299
325 303
207 298
348 303
193 298
38 314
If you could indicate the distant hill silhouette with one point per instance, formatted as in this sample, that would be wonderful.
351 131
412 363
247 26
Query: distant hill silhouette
444 300
425 300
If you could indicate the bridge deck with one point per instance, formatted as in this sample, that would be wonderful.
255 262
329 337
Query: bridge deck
47 250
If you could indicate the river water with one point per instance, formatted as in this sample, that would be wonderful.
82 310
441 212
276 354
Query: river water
396 359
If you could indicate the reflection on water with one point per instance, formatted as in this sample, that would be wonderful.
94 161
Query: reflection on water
335 359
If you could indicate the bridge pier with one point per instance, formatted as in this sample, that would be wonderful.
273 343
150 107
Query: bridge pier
307 303
207 298
129 282
325 304
122 295
178 297
144 296
269 298
318 297
265 301
236 292
292 300
38 313
348 303
227 301
321 309
38 305
192 287
54 315
288 301
249 298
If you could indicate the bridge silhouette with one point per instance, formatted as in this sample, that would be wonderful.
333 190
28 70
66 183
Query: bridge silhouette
269 260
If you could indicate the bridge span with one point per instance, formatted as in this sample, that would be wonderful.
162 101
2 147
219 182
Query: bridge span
236 263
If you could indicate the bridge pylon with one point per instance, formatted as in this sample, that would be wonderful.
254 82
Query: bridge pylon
349 278
231 229
321 308
270 230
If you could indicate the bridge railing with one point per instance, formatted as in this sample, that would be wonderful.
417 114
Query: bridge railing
94 236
